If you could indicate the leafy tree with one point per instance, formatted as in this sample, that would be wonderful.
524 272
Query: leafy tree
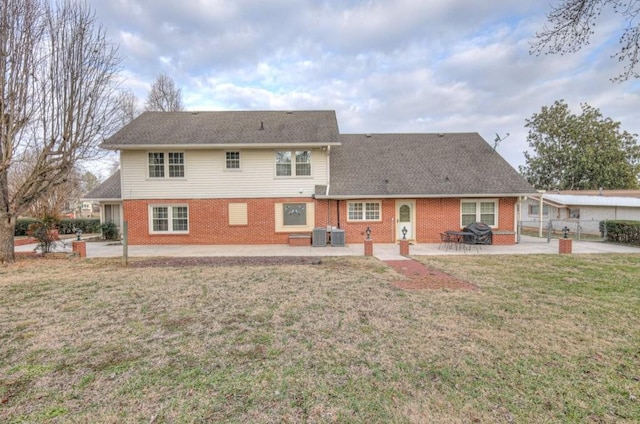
164 95
579 152
570 25
57 89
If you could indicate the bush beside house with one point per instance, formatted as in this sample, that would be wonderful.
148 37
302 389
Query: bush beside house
627 232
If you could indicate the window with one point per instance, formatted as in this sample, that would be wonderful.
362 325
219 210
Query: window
303 163
485 211
176 165
574 213
294 214
535 210
294 217
169 219
156 165
296 164
232 160
364 211
173 166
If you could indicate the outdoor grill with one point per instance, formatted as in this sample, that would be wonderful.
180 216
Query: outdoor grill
481 231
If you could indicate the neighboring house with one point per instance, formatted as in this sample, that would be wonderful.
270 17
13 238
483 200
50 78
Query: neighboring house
587 210
262 176
109 196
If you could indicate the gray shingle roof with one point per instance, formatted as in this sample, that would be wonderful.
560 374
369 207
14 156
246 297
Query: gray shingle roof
227 127
422 165
109 189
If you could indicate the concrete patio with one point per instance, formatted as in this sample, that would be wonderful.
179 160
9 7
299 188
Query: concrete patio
382 251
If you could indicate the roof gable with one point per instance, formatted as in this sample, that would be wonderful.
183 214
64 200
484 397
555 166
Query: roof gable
253 128
423 165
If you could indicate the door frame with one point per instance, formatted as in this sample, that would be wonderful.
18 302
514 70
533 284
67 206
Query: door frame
412 205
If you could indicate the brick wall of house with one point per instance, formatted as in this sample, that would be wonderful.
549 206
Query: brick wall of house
434 216
209 221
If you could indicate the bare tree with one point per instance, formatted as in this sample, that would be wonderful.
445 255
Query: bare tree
64 197
570 25
128 106
164 95
57 100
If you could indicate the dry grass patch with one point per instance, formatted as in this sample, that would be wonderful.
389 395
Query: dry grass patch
547 338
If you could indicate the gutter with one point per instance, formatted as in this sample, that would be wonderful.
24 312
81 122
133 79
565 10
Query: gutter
420 196
192 146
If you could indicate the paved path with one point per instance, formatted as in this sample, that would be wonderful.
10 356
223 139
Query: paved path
382 251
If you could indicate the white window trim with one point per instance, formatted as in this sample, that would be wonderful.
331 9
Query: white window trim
293 164
279 219
239 161
479 212
170 217
166 165
364 211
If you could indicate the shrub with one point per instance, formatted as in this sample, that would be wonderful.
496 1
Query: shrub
65 226
627 232
109 231
87 225
45 235
22 226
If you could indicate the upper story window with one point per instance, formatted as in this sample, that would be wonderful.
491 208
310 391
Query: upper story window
232 160
162 164
293 163
156 165
485 211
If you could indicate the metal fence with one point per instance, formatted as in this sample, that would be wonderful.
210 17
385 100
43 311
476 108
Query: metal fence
552 228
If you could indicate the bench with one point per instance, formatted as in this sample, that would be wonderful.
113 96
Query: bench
300 239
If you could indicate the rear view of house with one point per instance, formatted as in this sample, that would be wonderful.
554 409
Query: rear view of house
259 177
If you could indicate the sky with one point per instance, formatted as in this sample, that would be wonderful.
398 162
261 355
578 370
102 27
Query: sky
402 66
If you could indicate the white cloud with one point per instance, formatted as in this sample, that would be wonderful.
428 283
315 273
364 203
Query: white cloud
403 66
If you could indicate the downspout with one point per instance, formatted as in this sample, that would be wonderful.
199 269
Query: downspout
517 217
326 193
338 210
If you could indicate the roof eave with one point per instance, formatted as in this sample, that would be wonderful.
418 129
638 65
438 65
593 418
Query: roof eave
102 199
419 196
190 146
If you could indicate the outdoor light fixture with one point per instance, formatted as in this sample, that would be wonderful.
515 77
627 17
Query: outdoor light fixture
368 231
78 233
565 231
404 233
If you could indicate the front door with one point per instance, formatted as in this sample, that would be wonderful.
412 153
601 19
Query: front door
404 218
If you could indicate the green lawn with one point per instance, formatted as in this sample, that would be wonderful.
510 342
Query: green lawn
547 338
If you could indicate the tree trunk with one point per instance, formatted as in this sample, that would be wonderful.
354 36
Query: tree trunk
7 231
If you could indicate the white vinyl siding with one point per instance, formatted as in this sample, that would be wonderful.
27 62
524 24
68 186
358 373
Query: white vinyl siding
206 177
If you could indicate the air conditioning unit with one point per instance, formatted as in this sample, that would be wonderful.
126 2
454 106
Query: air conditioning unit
337 238
319 237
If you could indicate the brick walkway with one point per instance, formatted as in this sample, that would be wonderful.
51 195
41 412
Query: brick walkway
421 277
